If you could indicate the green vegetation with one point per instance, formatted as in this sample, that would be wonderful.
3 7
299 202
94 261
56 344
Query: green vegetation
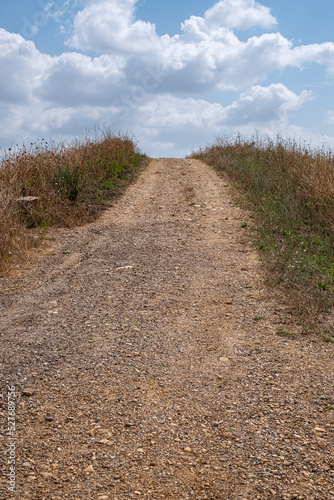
57 185
291 192
284 333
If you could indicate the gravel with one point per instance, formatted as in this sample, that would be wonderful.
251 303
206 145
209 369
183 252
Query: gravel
146 361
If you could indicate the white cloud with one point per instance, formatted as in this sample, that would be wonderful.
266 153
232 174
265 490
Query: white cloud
109 26
264 106
314 53
189 123
133 81
94 82
242 14
207 54
21 66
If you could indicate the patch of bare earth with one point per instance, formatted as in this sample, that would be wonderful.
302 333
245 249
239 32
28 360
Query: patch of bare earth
146 360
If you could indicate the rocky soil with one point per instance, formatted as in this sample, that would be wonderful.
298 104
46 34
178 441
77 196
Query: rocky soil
150 361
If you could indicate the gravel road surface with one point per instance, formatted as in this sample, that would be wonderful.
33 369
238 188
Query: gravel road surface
146 361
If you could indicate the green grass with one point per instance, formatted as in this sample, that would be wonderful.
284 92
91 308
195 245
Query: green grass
284 333
290 190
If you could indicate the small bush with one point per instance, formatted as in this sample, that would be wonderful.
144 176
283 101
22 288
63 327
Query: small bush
108 185
67 182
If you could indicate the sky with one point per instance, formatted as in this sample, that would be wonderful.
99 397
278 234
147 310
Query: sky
175 75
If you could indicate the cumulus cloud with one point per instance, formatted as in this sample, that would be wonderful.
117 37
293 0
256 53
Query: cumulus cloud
207 53
314 53
91 82
21 67
242 14
196 121
109 26
261 105
264 106
133 80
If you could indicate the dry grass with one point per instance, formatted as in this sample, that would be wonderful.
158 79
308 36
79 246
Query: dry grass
71 183
291 190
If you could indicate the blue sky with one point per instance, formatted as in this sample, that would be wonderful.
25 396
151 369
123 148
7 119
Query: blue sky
175 74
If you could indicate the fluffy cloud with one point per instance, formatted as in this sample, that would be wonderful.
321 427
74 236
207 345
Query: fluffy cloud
173 126
242 14
260 106
109 26
91 82
206 54
133 80
264 106
21 67
314 53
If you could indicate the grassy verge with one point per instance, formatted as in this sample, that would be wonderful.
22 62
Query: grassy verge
291 192
53 185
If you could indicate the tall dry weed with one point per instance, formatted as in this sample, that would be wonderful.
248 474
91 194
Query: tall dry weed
69 183
291 190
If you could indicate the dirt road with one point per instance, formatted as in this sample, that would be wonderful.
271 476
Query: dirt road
146 362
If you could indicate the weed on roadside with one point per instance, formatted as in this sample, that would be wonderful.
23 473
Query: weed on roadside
43 230
68 184
290 189
284 333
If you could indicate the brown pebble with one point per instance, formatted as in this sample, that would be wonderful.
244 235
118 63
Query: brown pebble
46 474
27 392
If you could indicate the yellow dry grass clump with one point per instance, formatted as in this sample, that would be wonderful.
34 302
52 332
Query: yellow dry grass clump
61 185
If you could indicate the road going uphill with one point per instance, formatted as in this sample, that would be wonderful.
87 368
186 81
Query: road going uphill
146 362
